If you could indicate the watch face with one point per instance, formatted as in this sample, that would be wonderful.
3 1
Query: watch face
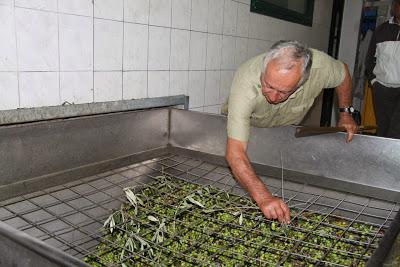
351 109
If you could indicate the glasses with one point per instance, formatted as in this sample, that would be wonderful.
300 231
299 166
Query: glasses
267 87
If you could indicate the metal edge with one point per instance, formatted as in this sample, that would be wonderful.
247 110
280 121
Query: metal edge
380 254
75 110
294 176
39 247
54 179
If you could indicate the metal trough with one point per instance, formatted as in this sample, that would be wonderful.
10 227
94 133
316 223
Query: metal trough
61 179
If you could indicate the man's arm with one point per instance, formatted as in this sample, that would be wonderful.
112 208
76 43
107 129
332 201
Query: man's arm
344 100
272 207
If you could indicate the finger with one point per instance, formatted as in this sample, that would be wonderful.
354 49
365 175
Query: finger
273 213
267 213
350 135
279 213
286 212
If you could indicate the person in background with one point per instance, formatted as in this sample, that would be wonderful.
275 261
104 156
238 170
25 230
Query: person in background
278 88
383 73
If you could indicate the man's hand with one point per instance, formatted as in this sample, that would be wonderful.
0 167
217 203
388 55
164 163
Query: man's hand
275 208
347 121
272 207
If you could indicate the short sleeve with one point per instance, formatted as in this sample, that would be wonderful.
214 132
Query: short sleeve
240 107
333 71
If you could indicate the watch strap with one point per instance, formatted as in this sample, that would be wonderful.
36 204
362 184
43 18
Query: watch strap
348 109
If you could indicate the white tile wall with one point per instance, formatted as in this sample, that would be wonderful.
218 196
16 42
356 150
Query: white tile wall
199 15
49 5
196 88
37 42
108 40
159 48
137 11
39 89
107 86
9 96
135 84
181 10
230 17
76 87
226 81
108 9
213 82
75 33
178 82
7 2
214 43
198 50
243 20
158 82
180 41
136 44
240 51
76 7
8 49
215 16
82 51
160 13
228 52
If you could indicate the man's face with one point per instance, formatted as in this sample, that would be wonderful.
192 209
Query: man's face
278 84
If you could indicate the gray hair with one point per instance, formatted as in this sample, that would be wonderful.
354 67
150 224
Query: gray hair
289 52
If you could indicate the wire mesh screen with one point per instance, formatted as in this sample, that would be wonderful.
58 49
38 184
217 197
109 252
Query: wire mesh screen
176 210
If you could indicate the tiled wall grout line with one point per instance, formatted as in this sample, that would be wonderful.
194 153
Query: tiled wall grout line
170 51
190 41
59 55
205 67
93 52
148 48
16 54
123 47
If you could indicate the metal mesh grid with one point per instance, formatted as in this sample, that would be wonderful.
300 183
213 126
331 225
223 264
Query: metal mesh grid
70 216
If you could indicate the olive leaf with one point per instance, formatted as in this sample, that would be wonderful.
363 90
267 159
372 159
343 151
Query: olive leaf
159 234
152 218
133 199
241 219
192 200
110 222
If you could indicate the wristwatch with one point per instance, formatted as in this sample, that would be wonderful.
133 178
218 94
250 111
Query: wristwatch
348 109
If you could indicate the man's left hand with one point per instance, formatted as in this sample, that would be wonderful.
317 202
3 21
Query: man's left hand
346 120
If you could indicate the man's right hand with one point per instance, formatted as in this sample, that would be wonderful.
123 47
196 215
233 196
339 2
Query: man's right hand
272 207
275 208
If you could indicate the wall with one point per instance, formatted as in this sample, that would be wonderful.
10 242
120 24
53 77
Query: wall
349 42
350 32
74 51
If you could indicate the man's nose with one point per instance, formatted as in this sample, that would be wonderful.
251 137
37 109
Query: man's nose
274 96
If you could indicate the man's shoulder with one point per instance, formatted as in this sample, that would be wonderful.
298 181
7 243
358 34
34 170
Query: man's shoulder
320 59
382 27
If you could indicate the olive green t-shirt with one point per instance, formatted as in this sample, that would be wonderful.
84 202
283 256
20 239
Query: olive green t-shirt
247 106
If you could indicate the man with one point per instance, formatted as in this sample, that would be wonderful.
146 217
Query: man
383 72
278 88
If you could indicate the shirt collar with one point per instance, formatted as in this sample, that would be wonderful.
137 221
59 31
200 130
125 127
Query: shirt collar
295 93
391 21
